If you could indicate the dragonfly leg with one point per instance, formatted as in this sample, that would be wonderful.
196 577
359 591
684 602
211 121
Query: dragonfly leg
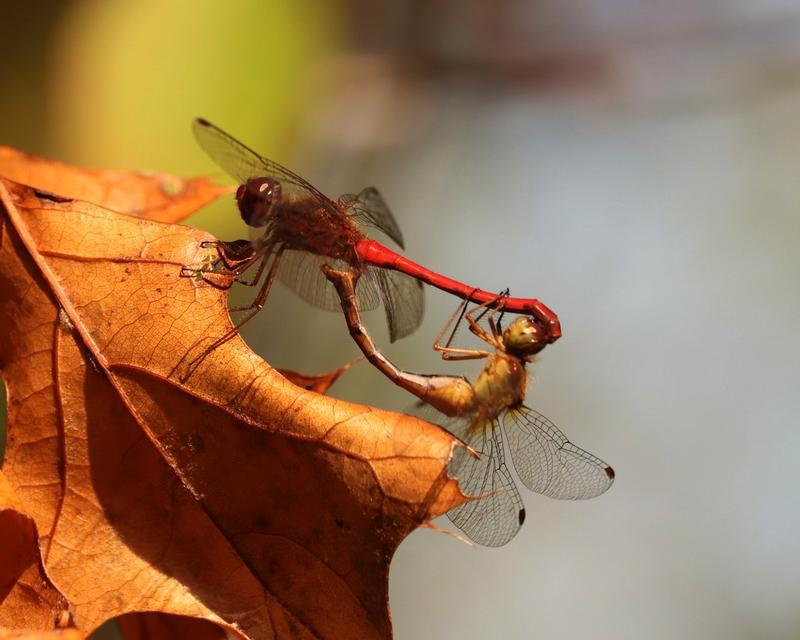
233 259
254 280
453 353
499 328
452 395
437 340
491 307
208 265
499 300
258 303
254 308
219 245
495 326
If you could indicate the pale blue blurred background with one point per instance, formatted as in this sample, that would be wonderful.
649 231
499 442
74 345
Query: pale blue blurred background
633 165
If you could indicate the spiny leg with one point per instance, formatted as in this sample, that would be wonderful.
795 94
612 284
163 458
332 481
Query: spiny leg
453 353
264 249
456 353
229 265
491 307
254 308
257 277
258 303
495 325
463 308
499 322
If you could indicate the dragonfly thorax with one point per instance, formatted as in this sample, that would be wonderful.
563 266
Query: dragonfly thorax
257 199
302 224
501 384
524 337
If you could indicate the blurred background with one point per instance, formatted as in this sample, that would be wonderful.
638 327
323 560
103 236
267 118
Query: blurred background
634 165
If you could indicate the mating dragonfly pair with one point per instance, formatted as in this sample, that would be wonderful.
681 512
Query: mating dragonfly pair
311 242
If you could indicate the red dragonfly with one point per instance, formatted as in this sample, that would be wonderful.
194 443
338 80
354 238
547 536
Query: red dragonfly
296 227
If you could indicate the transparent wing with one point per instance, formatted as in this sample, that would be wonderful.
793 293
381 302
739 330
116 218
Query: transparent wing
403 301
550 464
370 209
242 163
497 514
301 272
424 411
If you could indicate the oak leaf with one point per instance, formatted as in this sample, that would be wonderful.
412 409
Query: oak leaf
150 195
163 626
55 634
27 597
221 491
320 383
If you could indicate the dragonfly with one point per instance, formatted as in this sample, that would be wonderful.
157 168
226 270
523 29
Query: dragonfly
295 229
488 414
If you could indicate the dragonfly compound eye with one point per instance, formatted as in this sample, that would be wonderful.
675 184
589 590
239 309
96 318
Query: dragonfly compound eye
256 199
524 337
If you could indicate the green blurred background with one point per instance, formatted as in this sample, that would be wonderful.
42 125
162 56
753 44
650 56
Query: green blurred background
634 165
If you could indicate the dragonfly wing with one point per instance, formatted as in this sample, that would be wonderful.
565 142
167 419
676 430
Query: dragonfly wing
301 271
550 464
497 513
403 301
370 209
242 163
237 159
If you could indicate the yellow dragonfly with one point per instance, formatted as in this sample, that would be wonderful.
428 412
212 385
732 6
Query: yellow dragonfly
487 413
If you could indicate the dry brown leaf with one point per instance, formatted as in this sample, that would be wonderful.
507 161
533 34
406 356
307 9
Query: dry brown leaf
317 383
26 594
235 497
163 626
149 195
55 634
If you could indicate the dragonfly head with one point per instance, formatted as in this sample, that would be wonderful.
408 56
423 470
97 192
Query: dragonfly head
256 199
524 337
